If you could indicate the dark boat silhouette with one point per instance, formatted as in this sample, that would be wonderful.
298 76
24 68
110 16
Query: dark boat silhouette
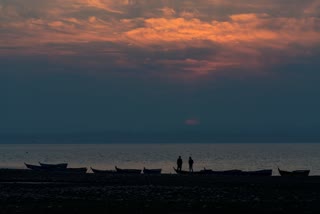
128 171
264 172
235 172
54 166
151 171
99 171
295 173
184 172
33 167
208 172
56 170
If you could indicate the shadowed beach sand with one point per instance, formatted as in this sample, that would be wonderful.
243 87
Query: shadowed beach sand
26 191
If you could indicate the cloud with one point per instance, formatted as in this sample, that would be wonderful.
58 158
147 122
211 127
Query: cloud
313 8
249 28
200 37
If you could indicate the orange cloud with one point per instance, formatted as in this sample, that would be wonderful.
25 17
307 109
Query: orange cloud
248 28
163 28
242 37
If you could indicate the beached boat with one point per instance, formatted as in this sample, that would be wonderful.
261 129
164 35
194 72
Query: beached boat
56 170
151 171
99 171
128 171
33 167
184 172
209 172
54 166
201 172
295 173
265 172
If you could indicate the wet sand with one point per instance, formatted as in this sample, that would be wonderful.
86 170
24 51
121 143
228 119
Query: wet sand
24 191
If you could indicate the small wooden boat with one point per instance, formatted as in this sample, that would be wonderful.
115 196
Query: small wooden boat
264 172
56 170
201 172
33 167
234 172
128 171
295 173
98 171
224 172
184 172
151 171
54 166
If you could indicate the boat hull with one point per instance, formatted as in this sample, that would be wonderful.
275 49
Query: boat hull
267 172
183 172
128 171
56 170
54 166
98 171
296 173
33 167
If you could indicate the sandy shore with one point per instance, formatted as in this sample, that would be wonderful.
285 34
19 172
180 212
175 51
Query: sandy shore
25 191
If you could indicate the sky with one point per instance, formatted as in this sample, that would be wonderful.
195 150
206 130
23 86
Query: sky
236 68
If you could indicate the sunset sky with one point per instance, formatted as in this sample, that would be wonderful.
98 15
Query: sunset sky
228 66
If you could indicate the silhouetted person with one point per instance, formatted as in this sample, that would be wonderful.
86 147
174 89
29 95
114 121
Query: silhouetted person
190 164
179 164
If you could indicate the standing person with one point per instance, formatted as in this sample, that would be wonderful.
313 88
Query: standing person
179 163
190 164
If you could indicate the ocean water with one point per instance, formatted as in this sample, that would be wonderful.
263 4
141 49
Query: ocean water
211 156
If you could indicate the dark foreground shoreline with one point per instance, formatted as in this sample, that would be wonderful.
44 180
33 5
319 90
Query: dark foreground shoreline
24 191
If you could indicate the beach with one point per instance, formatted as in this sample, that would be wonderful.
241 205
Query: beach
28 191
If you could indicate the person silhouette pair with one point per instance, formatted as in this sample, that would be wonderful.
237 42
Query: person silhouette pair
180 162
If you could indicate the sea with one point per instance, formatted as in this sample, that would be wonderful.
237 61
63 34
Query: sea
215 156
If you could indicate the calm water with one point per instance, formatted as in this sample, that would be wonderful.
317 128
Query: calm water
213 156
